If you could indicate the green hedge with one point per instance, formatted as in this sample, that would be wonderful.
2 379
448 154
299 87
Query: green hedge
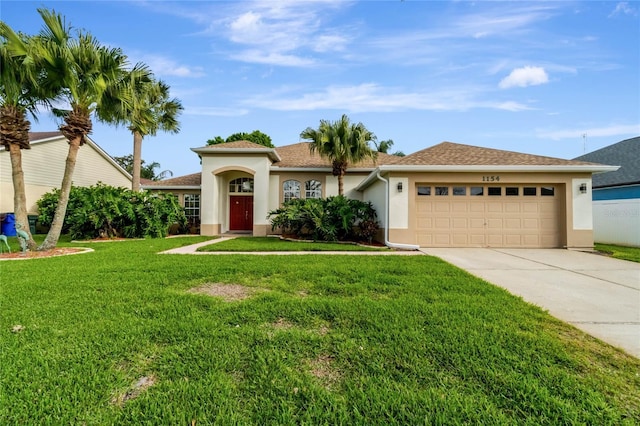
326 219
103 211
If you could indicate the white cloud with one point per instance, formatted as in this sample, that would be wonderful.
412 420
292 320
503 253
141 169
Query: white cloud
525 76
163 66
284 33
370 97
607 131
272 58
623 8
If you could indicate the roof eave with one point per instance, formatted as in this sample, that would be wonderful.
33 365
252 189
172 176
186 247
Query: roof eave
150 187
579 168
273 155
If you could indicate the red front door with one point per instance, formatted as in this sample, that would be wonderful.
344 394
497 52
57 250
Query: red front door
241 213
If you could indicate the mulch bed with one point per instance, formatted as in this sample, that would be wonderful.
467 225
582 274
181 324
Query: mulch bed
58 251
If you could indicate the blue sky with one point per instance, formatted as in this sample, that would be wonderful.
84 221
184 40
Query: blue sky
545 78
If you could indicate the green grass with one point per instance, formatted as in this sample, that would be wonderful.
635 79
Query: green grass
620 252
276 244
322 340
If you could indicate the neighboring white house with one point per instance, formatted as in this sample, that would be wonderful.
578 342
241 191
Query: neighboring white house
448 195
44 164
616 195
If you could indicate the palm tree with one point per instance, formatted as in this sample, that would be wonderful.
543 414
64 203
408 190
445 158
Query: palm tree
19 95
383 146
91 78
342 143
151 110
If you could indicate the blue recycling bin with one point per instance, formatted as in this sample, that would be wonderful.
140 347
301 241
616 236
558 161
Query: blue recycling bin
9 225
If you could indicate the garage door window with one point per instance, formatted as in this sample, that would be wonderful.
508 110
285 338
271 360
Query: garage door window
424 190
547 191
511 191
459 190
442 190
529 191
477 190
495 190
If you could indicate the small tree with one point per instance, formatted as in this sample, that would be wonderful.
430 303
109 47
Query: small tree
256 137
342 143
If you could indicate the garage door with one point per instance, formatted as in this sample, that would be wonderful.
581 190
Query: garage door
487 216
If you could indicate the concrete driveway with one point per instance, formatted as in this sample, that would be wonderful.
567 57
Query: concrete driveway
597 294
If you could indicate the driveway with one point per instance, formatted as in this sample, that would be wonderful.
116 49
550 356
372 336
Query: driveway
597 294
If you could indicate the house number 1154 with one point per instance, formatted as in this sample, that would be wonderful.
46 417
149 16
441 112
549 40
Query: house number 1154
491 178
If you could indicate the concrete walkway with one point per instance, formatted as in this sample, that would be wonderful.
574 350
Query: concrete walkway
597 294
192 249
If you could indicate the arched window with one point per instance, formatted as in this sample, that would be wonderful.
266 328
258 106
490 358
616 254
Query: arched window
291 189
241 185
312 189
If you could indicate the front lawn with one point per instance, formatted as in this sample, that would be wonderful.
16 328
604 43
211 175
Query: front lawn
123 335
620 252
276 244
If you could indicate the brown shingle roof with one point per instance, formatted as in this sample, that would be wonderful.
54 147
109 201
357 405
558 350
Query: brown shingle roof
186 180
453 154
299 155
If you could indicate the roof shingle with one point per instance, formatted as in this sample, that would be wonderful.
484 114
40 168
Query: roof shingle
299 155
625 154
453 154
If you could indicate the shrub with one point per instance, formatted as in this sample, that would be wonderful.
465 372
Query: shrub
328 219
106 211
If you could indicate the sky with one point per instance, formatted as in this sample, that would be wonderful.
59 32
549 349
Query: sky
558 78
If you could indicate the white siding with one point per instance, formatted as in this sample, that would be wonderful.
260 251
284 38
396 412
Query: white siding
43 166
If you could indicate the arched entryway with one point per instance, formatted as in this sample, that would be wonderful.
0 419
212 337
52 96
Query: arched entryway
241 204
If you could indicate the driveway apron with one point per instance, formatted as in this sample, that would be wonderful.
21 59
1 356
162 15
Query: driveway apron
597 294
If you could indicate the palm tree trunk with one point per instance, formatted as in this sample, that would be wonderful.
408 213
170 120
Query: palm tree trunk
137 161
341 184
65 189
19 193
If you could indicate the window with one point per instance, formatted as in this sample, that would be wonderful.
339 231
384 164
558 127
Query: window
459 190
312 189
511 191
291 189
192 207
495 190
424 190
529 191
241 185
547 191
477 190
442 190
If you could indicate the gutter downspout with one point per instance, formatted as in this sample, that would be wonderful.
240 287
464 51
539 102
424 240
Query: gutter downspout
386 220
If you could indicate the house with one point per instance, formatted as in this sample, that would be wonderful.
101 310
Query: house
43 166
616 195
448 195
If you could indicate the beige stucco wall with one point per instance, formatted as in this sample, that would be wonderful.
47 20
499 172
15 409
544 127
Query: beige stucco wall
217 171
43 166
574 215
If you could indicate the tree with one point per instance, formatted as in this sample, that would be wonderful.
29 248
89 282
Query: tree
92 80
20 93
383 146
256 137
150 111
342 143
146 171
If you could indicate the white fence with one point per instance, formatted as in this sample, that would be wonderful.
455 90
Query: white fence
617 222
